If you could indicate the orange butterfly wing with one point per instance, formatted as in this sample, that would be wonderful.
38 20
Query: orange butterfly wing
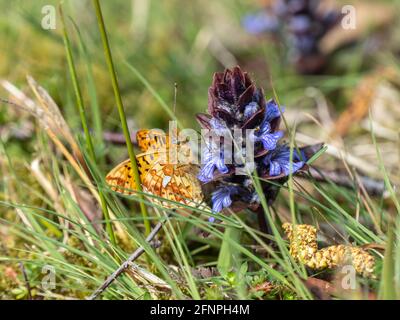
121 179
152 140
173 182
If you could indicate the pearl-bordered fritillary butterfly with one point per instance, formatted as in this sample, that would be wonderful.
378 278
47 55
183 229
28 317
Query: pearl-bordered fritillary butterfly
175 182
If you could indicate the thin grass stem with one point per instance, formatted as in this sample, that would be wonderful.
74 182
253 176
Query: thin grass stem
121 111
81 109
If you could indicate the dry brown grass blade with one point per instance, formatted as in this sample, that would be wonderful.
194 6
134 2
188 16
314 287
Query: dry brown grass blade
52 122
68 186
82 174
358 107
56 121
376 246
52 192
383 15
85 202
361 102
149 281
48 105
325 290
341 154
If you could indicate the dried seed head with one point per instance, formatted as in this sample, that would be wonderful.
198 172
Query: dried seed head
304 248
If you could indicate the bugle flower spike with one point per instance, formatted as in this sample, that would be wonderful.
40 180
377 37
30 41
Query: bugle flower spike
235 103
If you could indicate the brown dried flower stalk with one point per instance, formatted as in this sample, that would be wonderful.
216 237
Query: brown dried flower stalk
304 248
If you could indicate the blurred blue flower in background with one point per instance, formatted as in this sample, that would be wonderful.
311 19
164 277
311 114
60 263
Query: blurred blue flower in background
260 22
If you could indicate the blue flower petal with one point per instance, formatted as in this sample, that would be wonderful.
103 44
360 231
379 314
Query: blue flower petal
264 128
217 205
218 126
300 23
212 159
274 168
206 173
219 163
272 111
269 140
279 161
250 109
226 202
294 166
221 198
260 22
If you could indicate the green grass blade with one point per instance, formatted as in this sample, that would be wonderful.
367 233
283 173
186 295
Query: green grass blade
94 103
81 109
388 283
121 111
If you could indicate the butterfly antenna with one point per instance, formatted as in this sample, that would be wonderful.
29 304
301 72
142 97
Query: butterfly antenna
175 94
